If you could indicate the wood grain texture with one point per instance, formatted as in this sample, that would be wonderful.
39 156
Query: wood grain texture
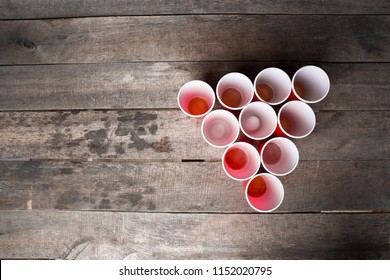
196 38
26 9
168 134
356 86
96 235
199 187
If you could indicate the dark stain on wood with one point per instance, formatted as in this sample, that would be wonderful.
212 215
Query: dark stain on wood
153 128
119 149
66 171
27 44
138 143
133 198
162 146
98 139
105 203
68 198
60 117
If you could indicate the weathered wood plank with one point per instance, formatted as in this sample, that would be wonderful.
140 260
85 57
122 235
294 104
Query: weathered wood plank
196 38
26 9
113 235
187 187
155 85
168 134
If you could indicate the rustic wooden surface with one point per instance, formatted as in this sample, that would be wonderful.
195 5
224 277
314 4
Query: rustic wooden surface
97 161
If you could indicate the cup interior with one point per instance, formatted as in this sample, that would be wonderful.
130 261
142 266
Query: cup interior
296 119
258 120
220 128
279 156
194 89
239 82
250 165
278 81
267 199
311 84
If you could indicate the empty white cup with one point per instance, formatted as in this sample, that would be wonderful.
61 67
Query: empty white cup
296 119
196 99
264 192
279 156
220 128
241 161
272 85
258 120
310 84
234 91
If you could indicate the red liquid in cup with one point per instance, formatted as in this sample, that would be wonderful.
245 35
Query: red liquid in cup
272 154
265 92
286 124
257 187
236 158
198 106
300 89
231 97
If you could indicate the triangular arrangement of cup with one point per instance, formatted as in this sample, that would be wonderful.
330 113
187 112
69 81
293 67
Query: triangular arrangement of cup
257 124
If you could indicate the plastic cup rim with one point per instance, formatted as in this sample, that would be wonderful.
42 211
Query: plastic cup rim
196 116
223 166
211 144
243 130
305 100
257 95
219 99
288 134
247 198
265 166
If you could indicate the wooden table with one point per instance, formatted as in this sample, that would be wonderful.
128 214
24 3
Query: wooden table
98 162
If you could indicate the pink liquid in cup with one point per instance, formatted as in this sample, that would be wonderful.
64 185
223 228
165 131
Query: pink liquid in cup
220 128
241 161
296 119
264 192
258 120
279 156
272 85
196 99
310 84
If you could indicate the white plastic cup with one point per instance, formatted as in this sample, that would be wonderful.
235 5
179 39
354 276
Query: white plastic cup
220 128
296 119
241 161
310 84
279 156
272 85
258 120
265 195
196 94
241 87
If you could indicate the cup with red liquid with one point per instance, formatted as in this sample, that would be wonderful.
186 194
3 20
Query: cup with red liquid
234 91
296 119
272 85
264 192
196 99
310 84
241 161
220 128
279 156
258 120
